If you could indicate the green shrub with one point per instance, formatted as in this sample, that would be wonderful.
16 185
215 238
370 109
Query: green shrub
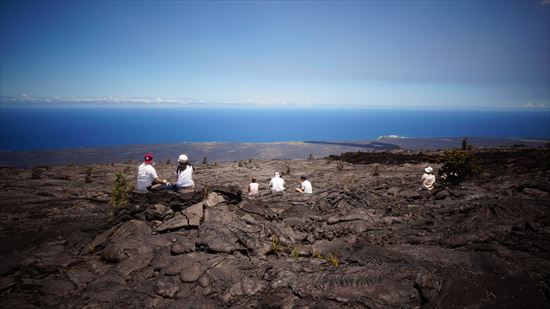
457 166
121 192
339 166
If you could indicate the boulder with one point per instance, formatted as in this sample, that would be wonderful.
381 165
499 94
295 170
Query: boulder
232 193
213 199
182 246
194 214
167 287
218 238
190 267
190 217
220 214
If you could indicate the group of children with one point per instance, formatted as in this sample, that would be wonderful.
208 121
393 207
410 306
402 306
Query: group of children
147 179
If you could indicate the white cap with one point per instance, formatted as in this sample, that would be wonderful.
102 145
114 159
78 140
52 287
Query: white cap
182 159
428 169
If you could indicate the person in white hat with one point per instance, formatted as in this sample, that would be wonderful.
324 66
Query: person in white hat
428 179
277 184
185 174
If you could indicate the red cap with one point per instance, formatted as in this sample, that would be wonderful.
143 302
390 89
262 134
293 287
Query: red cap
148 158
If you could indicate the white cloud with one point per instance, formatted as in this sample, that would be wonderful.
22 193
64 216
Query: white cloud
531 105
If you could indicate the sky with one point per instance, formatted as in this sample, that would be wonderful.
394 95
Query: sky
415 54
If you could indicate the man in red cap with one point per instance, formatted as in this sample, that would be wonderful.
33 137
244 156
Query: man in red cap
147 175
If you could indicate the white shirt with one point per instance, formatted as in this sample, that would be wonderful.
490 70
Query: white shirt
253 188
145 177
306 186
277 184
185 178
428 181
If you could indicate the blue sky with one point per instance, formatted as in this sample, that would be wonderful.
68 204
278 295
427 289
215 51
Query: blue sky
463 54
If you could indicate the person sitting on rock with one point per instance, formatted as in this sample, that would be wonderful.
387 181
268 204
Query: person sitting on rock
253 187
428 179
305 187
184 173
277 184
147 177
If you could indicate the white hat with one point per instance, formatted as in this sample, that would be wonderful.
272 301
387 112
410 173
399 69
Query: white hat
428 169
182 159
276 174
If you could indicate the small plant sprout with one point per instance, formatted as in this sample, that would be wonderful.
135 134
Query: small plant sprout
91 249
295 253
88 177
333 259
205 191
317 255
376 171
276 245
339 166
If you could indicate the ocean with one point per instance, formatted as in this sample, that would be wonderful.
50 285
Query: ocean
43 128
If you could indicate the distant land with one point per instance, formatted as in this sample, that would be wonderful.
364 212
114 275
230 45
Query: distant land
225 151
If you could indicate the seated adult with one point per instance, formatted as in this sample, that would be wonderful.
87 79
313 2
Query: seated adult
305 187
253 187
184 173
277 184
428 179
147 175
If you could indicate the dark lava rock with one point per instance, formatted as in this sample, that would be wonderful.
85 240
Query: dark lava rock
359 241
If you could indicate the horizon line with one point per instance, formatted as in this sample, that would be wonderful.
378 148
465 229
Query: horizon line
147 101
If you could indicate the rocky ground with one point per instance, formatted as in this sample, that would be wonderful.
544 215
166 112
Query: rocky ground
367 237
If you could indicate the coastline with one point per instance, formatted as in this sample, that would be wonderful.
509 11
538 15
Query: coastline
233 151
